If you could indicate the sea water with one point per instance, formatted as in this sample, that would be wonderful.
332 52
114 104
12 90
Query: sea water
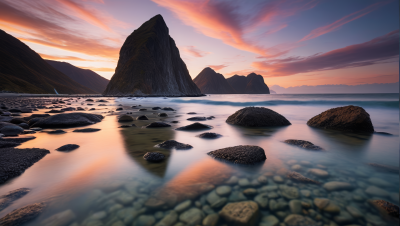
107 182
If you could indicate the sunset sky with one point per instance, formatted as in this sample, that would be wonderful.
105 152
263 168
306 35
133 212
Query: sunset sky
289 42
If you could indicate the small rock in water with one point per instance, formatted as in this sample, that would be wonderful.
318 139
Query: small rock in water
191 113
142 117
168 109
194 126
193 216
223 190
243 154
300 178
23 215
162 115
375 191
386 207
157 125
58 131
125 118
156 108
68 147
87 130
240 213
303 144
299 220
63 218
170 144
209 135
154 156
257 116
10 197
319 172
337 186
197 119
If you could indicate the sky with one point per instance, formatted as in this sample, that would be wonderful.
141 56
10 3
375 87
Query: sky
288 42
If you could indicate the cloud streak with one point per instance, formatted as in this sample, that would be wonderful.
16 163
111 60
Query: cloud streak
375 51
342 21
52 57
223 19
193 51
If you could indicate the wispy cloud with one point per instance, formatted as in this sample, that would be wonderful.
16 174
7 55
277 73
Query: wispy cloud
223 19
342 21
52 57
193 51
375 51
217 67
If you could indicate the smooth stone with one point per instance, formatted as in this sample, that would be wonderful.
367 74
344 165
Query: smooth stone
223 190
379 182
193 216
305 193
298 220
240 213
270 220
273 195
319 172
207 209
296 167
145 220
375 191
242 154
354 211
250 192
236 196
305 163
332 208
211 220
22 215
244 182
169 219
278 179
268 188
321 203
337 186
233 180
159 215
262 200
212 197
289 192
295 206
262 179
60 219
10 197
343 218
183 206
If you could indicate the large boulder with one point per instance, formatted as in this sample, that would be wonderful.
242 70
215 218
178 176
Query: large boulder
242 154
10 129
244 213
257 116
349 119
68 120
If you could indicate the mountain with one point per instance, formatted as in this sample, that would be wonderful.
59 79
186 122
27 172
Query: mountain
23 70
210 82
85 77
250 84
149 63
364 88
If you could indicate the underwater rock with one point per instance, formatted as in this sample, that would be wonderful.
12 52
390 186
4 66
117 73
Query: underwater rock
257 116
243 154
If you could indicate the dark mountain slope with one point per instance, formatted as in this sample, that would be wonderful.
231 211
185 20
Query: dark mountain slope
210 82
250 84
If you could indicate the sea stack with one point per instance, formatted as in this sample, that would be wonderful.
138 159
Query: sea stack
250 84
150 65
211 82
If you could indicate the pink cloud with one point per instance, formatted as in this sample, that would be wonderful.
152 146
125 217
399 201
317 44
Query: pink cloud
381 49
217 67
342 21
193 51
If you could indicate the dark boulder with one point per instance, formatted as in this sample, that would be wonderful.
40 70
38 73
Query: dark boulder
194 126
55 111
162 115
197 119
142 117
210 135
170 144
349 119
17 121
243 154
168 109
68 120
68 147
86 130
156 108
23 215
125 118
157 125
154 157
257 116
58 131
303 144
9 129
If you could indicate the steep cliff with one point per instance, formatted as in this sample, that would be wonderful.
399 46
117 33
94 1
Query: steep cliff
150 64
210 82
23 70
85 77
250 84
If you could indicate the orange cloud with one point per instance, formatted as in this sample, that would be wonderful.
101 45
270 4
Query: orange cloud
344 20
222 20
195 52
51 57
102 69
217 67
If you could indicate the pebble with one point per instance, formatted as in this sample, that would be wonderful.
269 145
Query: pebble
319 173
354 211
295 206
211 220
375 191
169 219
305 193
296 167
233 180
145 220
270 220
278 179
193 216
262 200
337 186
379 182
262 179
244 182
183 206
250 192
223 190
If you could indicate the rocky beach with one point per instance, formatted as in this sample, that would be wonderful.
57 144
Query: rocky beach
93 161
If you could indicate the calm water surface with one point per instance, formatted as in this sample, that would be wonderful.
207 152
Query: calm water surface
107 182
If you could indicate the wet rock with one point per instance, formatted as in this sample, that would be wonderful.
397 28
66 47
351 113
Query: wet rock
236 196
142 109
68 147
127 126
385 168
194 126
223 190
21 160
332 208
244 182
337 186
299 220
10 197
278 179
145 220
262 179
379 182
232 180
197 119
142 117
210 135
385 207
344 218
269 220
354 211
244 213
156 108
171 144
169 219
17 121
125 118
243 154
157 125
68 120
375 191
300 178
60 219
303 144
154 156
321 203
262 200
86 130
193 216
295 206
153 203
349 118
58 131
211 220
289 192
162 115
319 173
9 129
168 109
183 206
23 215
257 116
250 192
119 109
296 167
